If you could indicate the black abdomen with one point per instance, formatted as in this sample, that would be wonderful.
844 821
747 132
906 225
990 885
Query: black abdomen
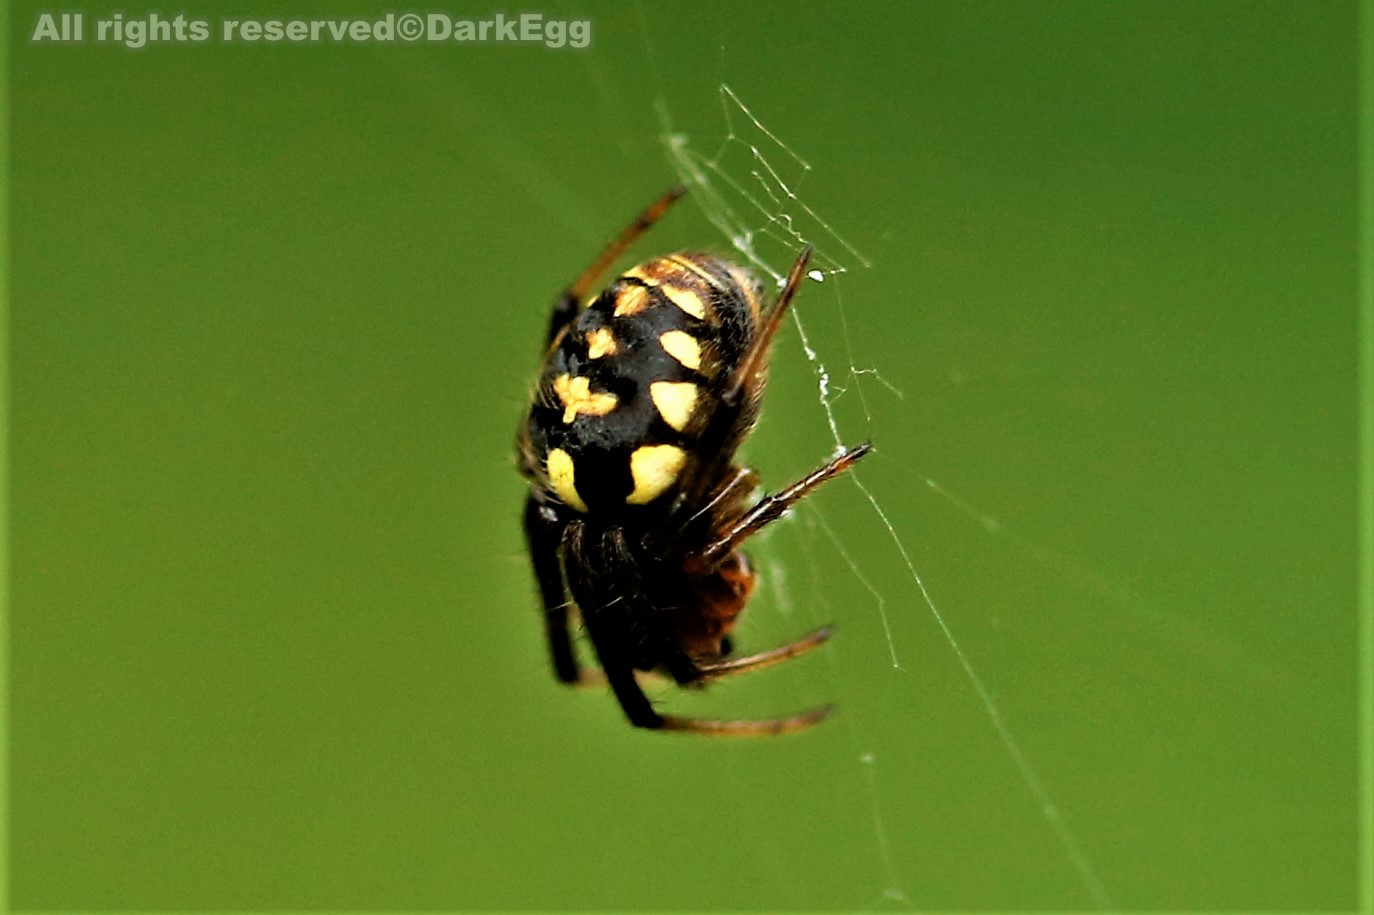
627 388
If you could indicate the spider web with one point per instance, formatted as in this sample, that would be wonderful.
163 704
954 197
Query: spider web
748 183
764 198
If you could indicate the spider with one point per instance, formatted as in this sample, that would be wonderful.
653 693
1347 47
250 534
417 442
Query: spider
636 509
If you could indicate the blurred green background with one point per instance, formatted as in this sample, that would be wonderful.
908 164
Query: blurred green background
273 637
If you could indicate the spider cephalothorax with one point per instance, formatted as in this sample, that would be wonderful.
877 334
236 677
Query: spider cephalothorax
636 508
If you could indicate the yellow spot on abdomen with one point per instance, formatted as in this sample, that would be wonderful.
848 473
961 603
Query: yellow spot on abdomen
654 469
578 397
631 300
675 401
601 342
561 473
682 346
686 299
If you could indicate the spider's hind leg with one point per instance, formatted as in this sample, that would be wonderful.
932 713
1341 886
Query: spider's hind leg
762 659
642 714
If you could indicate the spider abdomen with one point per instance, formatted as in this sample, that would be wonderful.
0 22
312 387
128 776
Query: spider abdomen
629 386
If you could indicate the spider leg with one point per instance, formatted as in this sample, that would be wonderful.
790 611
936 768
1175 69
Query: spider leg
594 677
566 305
743 478
768 658
751 366
630 695
542 533
642 714
760 728
770 508
740 396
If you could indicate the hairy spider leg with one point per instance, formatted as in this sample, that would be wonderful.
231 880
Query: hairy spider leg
770 508
719 669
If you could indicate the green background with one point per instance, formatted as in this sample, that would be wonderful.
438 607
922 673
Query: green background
273 639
